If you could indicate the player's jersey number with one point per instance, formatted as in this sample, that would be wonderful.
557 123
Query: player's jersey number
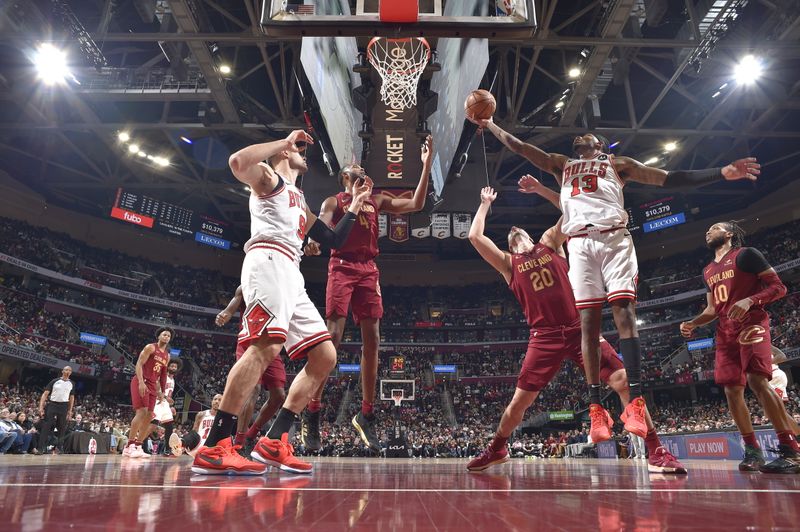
301 228
585 184
542 279
720 294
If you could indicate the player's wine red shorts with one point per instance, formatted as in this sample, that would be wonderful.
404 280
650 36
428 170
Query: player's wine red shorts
356 284
149 399
743 347
275 374
548 348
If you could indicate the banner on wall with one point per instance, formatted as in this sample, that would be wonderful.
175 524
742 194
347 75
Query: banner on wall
398 227
29 355
461 223
440 224
421 232
383 225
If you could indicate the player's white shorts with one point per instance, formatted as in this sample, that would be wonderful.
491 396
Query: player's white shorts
162 412
277 303
602 267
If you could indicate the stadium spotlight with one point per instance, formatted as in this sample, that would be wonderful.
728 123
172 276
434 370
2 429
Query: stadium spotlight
670 146
187 140
142 154
225 69
51 64
124 136
748 70
559 104
651 160
574 72
133 148
161 161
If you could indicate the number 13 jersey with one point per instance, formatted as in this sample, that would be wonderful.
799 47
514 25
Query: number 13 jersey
540 281
591 194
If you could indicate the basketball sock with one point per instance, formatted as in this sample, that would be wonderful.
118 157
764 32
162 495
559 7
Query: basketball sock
366 408
282 424
168 428
787 438
315 405
651 441
222 428
750 439
239 439
631 350
252 432
594 394
498 443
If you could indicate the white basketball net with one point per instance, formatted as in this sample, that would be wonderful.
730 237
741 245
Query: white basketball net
400 63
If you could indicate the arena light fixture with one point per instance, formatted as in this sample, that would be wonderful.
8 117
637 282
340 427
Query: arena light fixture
559 104
651 160
124 136
225 69
574 72
748 70
161 161
142 154
133 148
670 146
613 145
187 140
639 321
51 64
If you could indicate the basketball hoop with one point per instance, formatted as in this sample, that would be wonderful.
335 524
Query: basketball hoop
397 397
400 63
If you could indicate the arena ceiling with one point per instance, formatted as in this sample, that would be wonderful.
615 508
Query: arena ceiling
640 87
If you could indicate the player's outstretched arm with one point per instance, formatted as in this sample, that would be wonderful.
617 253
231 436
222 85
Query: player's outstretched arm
226 314
632 170
552 163
246 163
487 249
337 236
704 318
554 238
530 185
772 288
325 215
417 202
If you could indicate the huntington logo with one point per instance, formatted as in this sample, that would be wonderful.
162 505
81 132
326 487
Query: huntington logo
92 446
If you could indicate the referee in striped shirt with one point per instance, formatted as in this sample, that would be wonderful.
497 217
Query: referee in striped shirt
59 396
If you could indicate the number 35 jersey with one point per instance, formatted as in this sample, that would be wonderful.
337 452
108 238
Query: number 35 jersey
540 281
591 194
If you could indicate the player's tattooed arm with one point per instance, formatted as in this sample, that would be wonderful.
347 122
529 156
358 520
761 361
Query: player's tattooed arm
498 259
704 318
312 248
248 167
530 185
632 170
417 201
552 163
226 314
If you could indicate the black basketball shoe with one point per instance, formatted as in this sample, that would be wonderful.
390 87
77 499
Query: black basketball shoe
753 459
365 426
787 463
309 431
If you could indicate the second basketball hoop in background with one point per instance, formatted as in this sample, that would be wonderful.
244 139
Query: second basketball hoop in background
480 105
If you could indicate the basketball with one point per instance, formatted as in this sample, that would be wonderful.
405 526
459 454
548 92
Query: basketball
480 104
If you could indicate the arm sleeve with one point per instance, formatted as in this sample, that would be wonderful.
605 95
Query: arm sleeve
336 237
772 289
692 178
751 260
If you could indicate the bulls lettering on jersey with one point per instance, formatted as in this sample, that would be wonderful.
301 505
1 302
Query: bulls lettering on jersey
591 194
729 284
540 282
362 244
170 387
278 220
205 426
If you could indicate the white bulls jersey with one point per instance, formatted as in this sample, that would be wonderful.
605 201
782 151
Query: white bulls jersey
162 410
169 387
591 194
779 382
205 426
278 220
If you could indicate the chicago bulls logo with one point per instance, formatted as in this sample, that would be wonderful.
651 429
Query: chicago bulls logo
752 335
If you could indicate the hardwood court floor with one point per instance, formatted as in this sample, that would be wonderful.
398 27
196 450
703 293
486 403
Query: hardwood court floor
112 493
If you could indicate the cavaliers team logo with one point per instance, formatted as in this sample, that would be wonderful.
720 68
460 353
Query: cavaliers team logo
398 228
752 335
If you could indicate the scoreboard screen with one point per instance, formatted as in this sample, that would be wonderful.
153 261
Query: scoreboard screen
152 213
398 364
657 214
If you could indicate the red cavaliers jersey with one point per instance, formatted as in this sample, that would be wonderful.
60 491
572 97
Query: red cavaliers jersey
362 244
540 282
729 284
155 365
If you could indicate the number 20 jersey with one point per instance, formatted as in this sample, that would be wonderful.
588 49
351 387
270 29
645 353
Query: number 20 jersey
591 194
540 282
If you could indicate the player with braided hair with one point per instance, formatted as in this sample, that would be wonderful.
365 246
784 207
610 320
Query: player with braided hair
740 283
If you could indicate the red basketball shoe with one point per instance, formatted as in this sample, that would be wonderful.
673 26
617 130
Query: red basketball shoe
488 458
280 454
601 424
662 461
634 417
224 460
